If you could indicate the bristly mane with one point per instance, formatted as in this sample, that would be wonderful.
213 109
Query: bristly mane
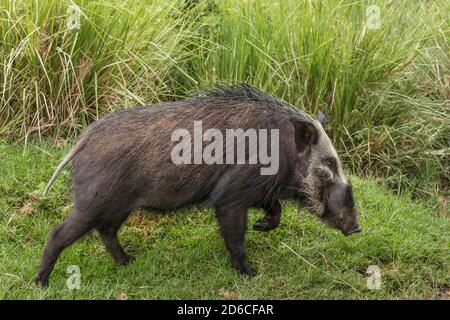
244 91
241 91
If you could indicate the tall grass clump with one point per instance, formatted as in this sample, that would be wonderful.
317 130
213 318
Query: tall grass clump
385 90
54 79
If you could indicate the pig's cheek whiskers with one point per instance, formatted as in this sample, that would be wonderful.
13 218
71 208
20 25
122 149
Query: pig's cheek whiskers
299 175
315 207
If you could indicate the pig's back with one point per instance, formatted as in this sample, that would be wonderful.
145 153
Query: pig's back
127 155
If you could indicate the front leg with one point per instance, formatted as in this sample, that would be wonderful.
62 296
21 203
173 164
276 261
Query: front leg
233 225
272 218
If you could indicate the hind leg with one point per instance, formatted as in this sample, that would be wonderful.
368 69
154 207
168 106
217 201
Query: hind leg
108 234
62 235
271 220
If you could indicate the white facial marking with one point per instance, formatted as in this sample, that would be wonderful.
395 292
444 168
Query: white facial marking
325 149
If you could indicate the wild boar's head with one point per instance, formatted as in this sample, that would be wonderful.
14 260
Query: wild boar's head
320 182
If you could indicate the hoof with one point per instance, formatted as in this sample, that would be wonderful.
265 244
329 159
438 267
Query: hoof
243 267
248 270
264 225
125 260
40 282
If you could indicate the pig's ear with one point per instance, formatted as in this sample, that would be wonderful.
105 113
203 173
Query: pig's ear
306 134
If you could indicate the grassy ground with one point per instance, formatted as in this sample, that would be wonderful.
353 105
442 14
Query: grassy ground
182 255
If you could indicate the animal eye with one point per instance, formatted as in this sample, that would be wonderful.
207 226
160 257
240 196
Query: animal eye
330 162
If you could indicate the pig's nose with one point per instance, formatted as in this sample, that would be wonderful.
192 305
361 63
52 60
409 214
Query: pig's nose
356 230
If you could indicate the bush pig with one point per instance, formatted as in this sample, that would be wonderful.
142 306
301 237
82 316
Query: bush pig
126 161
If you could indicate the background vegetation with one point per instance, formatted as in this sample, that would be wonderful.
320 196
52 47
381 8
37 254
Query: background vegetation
386 91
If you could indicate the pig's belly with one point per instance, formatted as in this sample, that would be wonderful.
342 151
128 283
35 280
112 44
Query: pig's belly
177 186
168 200
166 197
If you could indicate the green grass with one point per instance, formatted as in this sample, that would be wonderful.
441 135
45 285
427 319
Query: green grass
181 255
56 80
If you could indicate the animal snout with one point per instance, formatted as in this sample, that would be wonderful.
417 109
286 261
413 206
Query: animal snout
357 229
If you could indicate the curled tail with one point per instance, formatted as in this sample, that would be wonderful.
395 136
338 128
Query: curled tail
63 163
